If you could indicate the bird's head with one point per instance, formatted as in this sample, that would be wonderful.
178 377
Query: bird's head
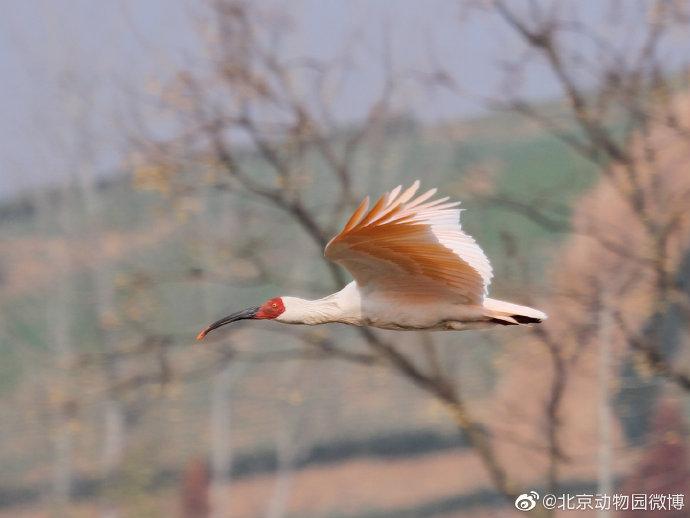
270 310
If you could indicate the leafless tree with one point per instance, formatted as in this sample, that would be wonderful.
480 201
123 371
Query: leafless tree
257 121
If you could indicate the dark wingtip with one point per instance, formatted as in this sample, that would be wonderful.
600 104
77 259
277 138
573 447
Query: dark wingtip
503 322
523 319
514 320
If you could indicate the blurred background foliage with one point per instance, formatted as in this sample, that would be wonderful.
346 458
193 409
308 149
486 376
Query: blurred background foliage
166 164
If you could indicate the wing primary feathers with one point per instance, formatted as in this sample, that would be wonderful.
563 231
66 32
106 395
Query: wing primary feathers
392 195
421 199
409 192
357 215
373 212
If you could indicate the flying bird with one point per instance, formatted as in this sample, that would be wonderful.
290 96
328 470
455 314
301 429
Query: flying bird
413 268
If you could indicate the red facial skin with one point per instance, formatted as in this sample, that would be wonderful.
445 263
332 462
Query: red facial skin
271 308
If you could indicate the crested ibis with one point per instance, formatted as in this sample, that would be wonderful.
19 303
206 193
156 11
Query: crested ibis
413 268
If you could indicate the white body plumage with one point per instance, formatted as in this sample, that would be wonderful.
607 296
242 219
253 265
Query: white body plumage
351 306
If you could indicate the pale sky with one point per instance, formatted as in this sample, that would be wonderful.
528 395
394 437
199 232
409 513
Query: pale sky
116 48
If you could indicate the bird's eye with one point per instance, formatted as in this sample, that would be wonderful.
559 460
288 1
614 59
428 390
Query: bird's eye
274 305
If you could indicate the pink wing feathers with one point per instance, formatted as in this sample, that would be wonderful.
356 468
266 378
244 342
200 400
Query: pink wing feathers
410 246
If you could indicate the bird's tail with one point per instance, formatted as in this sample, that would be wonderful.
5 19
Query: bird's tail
506 313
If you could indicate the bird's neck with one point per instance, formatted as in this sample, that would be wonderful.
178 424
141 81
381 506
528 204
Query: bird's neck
343 306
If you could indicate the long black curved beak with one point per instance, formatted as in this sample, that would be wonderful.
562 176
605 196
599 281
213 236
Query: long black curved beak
245 314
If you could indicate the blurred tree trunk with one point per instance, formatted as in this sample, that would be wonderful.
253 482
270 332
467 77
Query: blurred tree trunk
221 413
221 448
289 441
605 482
285 448
114 425
61 390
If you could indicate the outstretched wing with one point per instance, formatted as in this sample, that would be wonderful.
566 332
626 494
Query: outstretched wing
414 246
